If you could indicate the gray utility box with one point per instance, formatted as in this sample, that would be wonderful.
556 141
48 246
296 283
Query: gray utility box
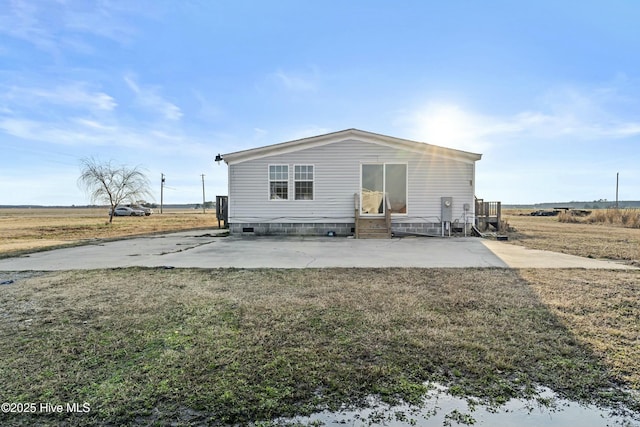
447 209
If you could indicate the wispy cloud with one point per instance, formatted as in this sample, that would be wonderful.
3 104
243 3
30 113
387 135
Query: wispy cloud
55 26
566 114
586 113
54 133
87 132
297 81
150 99
21 20
74 95
103 21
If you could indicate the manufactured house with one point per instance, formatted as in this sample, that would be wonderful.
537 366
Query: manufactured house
351 182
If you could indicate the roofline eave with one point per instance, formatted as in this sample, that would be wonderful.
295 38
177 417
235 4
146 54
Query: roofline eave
314 141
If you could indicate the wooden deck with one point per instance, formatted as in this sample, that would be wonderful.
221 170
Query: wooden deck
489 214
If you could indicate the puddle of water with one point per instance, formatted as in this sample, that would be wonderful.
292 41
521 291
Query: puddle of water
442 409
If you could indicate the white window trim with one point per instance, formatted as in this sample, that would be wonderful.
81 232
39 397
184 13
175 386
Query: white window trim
269 181
313 183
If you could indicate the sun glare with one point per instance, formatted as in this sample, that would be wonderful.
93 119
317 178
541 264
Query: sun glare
450 126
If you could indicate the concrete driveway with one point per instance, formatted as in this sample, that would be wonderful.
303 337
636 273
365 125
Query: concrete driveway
205 249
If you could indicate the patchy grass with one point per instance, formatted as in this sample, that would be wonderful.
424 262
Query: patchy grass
605 312
601 241
28 230
219 347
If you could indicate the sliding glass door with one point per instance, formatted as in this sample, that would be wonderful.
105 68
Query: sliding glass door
372 189
378 179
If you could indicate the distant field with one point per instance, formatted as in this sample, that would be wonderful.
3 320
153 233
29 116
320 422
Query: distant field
583 239
25 230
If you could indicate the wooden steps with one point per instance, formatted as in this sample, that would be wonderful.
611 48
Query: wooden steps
373 228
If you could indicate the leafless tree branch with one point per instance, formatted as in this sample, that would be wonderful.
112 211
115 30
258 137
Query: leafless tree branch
112 184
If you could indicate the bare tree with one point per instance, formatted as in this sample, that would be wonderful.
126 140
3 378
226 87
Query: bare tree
112 184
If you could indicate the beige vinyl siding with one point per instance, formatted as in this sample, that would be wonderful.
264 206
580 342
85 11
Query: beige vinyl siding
337 178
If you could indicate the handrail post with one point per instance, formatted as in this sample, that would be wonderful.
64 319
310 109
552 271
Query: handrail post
487 208
356 204
387 214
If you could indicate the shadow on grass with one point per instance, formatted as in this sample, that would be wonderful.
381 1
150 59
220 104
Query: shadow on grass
235 346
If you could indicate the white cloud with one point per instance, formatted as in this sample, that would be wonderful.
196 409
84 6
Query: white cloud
20 19
74 95
54 26
76 132
79 132
102 22
587 113
297 81
628 129
149 98
563 114
85 133
94 124
38 131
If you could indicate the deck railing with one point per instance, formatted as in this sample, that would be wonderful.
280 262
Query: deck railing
489 213
492 209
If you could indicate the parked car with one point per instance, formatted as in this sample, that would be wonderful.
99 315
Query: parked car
147 211
127 211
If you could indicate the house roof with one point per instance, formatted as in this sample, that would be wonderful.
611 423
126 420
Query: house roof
360 135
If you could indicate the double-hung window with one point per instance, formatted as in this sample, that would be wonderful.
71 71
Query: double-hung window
278 182
303 182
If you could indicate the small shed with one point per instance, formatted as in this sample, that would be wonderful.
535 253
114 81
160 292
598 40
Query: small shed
350 182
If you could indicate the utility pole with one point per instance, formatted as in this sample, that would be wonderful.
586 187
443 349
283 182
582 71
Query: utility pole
161 191
203 202
617 185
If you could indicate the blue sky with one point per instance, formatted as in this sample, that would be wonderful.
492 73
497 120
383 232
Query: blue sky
547 91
